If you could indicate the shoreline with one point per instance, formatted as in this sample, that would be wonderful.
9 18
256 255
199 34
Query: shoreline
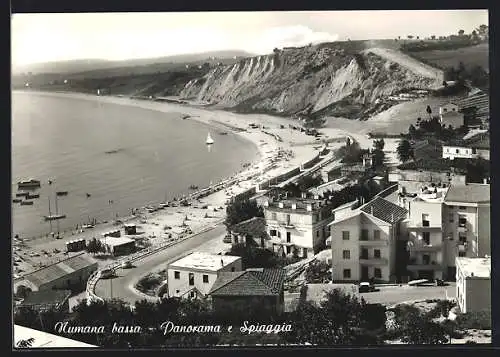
275 157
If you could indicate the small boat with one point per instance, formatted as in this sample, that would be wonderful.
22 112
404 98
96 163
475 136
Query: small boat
62 193
17 200
223 133
54 217
27 203
88 195
193 187
31 183
22 194
30 196
209 141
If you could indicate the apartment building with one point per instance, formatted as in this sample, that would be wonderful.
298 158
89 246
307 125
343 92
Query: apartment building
194 275
364 241
466 223
473 284
298 225
423 233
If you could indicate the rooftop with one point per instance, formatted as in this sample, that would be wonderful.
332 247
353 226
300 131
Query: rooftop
204 261
115 242
301 204
478 141
384 210
252 282
469 193
255 226
474 267
45 297
60 269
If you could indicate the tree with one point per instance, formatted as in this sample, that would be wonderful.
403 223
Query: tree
379 144
378 158
429 111
404 150
412 131
25 343
317 272
433 37
461 33
94 246
22 291
410 37
242 210
483 32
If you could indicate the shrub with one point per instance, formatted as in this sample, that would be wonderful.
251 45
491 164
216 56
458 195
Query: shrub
480 320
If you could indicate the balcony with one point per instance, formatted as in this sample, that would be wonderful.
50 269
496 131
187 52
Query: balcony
427 247
462 228
373 242
423 225
364 260
416 267
462 247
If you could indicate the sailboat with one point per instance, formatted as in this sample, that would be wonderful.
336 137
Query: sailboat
53 217
209 141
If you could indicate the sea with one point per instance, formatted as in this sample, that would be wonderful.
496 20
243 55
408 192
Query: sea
110 158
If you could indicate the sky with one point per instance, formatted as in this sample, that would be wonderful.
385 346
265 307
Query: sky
37 38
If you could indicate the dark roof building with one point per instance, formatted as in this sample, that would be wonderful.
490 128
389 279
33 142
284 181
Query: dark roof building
46 299
255 227
384 210
252 282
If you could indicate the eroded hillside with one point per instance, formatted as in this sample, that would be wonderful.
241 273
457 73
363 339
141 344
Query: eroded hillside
315 80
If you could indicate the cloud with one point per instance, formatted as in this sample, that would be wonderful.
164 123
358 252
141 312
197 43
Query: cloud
292 36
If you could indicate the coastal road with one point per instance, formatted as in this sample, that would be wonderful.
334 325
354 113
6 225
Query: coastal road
391 295
122 286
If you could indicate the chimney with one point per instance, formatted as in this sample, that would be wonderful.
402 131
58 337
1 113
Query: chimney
294 206
309 208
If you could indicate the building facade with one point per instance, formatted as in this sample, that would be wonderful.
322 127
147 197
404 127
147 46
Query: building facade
466 223
474 284
194 275
449 115
364 242
298 226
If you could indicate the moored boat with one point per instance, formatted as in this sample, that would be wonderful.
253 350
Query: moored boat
209 141
53 217
193 187
17 200
62 193
30 196
31 183
26 203
22 194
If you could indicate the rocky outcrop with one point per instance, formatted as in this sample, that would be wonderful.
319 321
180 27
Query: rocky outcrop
314 80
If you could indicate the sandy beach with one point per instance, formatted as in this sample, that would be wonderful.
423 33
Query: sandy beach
280 148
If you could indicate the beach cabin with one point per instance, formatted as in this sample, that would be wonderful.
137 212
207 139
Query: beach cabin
115 234
130 229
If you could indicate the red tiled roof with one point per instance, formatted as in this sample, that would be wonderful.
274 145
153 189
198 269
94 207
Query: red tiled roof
258 282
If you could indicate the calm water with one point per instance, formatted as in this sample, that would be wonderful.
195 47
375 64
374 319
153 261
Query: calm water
158 156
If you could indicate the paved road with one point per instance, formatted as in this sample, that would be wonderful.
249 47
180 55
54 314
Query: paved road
390 295
122 285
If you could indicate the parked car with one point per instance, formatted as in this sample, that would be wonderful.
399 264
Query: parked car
107 273
439 282
366 287
126 264
227 239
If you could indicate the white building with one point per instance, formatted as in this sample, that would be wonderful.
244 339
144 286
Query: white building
466 223
449 115
473 284
298 225
426 251
364 242
477 146
193 275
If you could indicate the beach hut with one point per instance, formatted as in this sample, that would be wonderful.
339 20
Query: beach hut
130 229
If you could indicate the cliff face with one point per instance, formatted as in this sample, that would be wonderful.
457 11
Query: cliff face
311 80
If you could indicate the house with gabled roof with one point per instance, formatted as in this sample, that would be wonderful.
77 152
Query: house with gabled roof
364 242
251 231
256 288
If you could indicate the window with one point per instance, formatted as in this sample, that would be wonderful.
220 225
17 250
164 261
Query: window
451 217
347 273
425 220
233 269
376 234
177 274
445 110
191 279
376 253
461 254
461 207
462 238
288 250
346 254
377 272
364 253
279 234
426 259
272 232
462 221
456 151
317 234
426 236
345 235
205 278
288 237
364 234
274 216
